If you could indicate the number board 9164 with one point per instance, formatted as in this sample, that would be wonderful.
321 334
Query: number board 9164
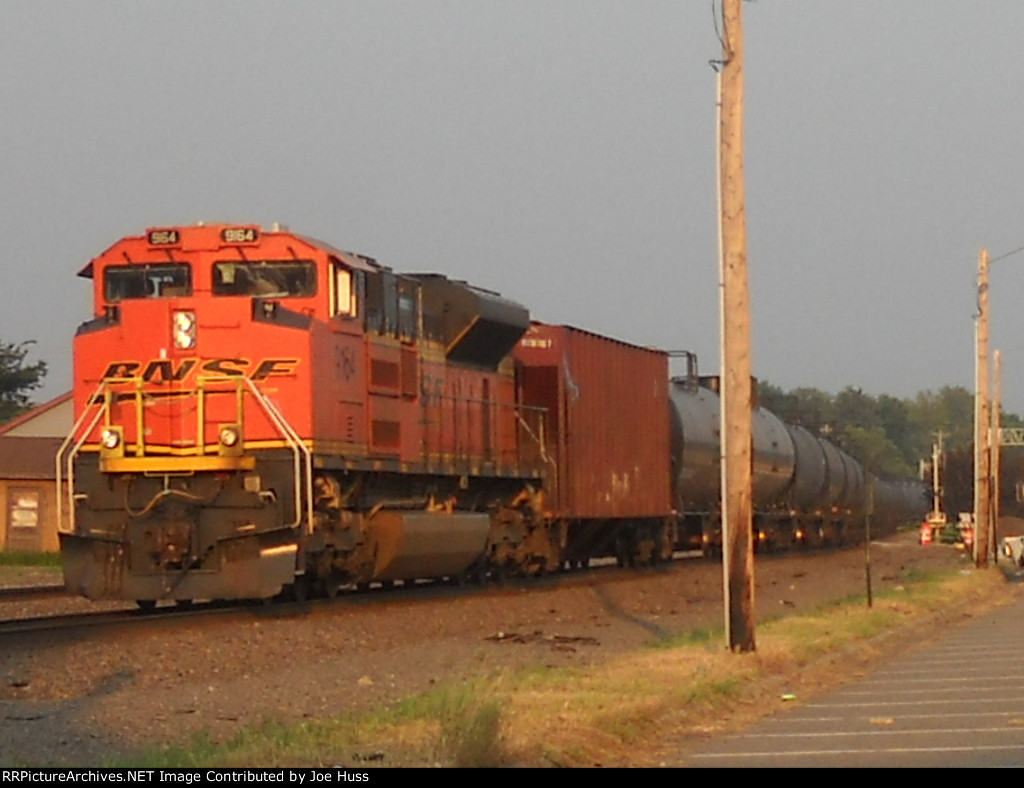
240 235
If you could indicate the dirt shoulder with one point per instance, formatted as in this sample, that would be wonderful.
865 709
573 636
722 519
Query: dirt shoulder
80 700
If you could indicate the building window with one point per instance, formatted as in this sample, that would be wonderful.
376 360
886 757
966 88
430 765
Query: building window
24 512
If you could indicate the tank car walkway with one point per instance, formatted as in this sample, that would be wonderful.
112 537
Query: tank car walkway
956 701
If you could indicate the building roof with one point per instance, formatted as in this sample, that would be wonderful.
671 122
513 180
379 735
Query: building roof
50 420
28 458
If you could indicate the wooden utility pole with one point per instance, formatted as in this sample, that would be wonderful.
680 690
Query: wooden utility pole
737 451
982 468
867 540
997 382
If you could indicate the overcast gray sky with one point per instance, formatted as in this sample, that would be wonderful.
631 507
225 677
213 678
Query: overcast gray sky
561 152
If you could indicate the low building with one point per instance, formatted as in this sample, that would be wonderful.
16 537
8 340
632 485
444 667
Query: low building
28 451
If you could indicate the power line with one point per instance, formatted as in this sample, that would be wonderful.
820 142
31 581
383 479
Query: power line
1008 254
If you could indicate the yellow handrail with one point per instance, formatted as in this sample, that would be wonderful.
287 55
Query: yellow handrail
99 406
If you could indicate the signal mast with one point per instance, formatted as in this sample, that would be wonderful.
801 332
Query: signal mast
936 520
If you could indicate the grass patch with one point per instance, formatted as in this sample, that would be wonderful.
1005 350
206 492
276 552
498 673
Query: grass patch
274 744
612 714
699 636
470 730
29 559
455 727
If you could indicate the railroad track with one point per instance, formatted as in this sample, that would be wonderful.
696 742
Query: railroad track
112 615
45 591
35 619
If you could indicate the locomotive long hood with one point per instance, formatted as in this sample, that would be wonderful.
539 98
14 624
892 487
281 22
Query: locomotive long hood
477 326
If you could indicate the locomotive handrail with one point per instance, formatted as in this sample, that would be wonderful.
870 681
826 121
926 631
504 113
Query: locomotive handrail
98 405
540 440
459 431
302 453
70 439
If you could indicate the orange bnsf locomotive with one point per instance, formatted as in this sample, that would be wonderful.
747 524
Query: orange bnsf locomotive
259 411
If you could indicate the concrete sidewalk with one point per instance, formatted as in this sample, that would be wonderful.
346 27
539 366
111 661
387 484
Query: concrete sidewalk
957 700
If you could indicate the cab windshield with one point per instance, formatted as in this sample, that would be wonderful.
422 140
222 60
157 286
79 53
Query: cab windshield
147 280
265 278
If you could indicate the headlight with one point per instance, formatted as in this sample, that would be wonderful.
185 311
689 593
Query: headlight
229 436
110 439
184 329
229 440
112 442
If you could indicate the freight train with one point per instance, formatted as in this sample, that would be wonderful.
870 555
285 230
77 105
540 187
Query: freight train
258 413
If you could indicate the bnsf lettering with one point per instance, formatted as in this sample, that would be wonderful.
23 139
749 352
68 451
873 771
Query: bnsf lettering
226 366
165 371
275 367
121 369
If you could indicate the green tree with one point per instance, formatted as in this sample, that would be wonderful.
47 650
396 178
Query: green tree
853 407
17 378
815 410
773 398
894 418
876 451
889 436
950 410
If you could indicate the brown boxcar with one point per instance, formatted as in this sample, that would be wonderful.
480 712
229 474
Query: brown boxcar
606 430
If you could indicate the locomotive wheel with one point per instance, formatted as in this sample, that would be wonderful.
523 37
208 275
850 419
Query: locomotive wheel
332 586
298 591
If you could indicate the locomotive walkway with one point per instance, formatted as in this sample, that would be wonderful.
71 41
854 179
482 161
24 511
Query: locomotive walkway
956 701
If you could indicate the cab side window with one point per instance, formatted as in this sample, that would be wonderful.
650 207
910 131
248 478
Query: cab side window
408 309
382 303
347 288
392 305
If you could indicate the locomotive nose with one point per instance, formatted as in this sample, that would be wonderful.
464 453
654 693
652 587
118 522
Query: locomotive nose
168 545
